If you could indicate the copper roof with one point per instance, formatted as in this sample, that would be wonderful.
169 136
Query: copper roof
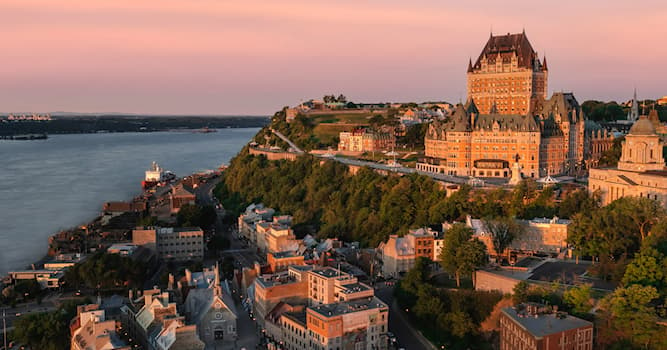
504 46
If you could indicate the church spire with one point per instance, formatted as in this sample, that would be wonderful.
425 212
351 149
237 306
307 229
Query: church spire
469 65
633 113
544 63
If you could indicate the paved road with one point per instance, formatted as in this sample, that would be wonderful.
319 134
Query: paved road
284 138
407 336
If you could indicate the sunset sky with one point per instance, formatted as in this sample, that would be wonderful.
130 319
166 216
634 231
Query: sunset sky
253 57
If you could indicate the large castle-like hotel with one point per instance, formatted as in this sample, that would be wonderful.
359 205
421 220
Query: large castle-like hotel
508 119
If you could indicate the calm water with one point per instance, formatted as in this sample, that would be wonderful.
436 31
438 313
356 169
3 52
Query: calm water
61 182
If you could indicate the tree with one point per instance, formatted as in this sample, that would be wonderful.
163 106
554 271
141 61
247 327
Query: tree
195 216
579 201
470 255
455 238
632 314
521 292
503 231
579 298
649 268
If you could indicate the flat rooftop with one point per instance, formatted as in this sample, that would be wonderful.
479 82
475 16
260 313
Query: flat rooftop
331 310
275 280
545 324
354 288
329 272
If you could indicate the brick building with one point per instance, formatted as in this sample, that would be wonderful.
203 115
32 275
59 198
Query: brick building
365 140
508 74
536 327
509 119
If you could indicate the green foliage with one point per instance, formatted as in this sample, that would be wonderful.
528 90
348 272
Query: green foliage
49 330
579 201
649 268
191 215
630 313
367 207
447 317
611 156
414 136
503 231
579 298
461 254
603 111
107 271
520 293
614 232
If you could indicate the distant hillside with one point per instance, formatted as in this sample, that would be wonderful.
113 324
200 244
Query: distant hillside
125 123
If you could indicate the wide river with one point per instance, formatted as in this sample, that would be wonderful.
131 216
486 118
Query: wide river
54 184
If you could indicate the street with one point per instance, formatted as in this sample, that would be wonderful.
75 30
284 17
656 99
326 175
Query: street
407 336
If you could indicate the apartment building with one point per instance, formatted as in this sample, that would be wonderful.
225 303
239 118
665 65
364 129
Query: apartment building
91 330
533 326
177 243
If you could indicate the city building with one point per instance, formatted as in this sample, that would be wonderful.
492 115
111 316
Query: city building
179 196
537 327
156 325
64 261
124 249
309 307
209 305
329 286
253 214
508 75
640 171
399 254
366 140
90 330
47 279
177 243
281 261
538 236
508 119
662 101
357 324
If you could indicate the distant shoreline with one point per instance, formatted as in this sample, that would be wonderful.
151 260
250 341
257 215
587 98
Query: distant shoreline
117 124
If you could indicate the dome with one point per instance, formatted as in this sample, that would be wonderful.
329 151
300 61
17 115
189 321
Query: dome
643 126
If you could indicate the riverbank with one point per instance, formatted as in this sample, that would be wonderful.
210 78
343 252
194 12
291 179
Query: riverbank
63 182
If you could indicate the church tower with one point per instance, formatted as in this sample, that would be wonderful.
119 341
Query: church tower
642 148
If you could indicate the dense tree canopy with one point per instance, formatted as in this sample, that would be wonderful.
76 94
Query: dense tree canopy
106 271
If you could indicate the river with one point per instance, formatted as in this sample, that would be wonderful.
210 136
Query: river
54 184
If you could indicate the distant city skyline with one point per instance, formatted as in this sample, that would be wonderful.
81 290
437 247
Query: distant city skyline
253 57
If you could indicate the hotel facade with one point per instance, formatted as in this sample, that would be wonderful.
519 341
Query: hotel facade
508 119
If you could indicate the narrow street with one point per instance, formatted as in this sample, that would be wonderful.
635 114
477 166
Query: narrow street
405 333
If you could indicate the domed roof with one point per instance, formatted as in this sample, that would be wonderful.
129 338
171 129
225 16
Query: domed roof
643 126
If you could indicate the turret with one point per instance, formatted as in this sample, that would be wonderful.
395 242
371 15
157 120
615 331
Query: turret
469 65
544 63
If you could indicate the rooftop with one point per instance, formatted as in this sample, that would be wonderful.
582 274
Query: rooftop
332 310
354 288
330 272
541 325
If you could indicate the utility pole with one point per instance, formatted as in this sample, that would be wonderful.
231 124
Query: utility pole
4 328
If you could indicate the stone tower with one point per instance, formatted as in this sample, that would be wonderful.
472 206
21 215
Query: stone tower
642 148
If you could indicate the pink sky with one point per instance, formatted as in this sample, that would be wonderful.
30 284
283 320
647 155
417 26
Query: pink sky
253 57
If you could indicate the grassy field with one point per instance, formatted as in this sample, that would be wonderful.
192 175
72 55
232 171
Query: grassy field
327 132
342 118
